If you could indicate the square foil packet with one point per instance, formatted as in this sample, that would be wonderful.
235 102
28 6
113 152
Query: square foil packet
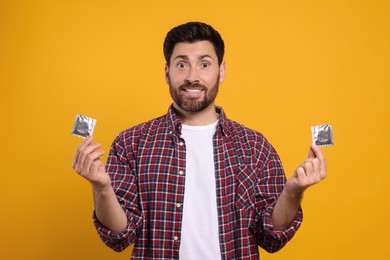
322 135
83 126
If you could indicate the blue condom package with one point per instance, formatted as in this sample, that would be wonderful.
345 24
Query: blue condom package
83 126
322 135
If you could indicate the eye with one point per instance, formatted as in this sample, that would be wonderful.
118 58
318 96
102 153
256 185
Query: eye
181 65
205 65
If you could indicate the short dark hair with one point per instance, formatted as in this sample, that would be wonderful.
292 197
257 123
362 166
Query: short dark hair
192 32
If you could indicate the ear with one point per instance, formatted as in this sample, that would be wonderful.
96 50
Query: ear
167 73
222 71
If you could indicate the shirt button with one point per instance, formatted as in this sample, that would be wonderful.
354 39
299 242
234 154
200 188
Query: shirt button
181 143
181 172
175 238
178 205
170 132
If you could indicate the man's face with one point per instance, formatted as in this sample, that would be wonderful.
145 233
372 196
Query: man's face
194 75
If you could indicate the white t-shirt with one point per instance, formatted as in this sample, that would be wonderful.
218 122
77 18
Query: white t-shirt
199 231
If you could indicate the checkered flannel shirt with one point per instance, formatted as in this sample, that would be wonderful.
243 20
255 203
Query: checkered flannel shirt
148 169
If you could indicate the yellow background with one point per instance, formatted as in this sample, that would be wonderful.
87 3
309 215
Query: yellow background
290 65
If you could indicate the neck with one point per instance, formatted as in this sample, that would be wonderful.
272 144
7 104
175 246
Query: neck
205 117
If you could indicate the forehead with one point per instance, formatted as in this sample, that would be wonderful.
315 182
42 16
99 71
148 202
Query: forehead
195 49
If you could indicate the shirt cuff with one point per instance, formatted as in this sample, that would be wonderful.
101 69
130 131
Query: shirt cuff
116 241
288 232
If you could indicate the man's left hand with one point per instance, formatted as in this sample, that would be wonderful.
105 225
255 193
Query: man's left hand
310 172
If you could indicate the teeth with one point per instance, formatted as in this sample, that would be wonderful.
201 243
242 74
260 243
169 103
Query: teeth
193 90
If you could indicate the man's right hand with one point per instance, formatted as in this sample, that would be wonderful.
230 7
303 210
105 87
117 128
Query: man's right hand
88 164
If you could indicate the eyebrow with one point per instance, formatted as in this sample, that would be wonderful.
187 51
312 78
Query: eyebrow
185 57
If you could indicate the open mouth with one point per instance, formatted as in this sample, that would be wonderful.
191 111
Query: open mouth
192 92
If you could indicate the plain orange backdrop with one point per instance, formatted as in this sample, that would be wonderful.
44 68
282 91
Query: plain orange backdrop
290 65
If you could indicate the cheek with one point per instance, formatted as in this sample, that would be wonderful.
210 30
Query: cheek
175 79
212 79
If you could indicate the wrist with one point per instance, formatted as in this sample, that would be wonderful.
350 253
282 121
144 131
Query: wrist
292 192
101 188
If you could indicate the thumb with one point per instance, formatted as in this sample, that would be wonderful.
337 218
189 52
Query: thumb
313 151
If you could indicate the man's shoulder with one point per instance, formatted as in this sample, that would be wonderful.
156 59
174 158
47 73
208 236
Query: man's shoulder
251 143
240 130
146 128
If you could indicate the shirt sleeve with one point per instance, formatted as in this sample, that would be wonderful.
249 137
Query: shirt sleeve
269 187
121 168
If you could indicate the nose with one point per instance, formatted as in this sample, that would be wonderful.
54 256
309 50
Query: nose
192 75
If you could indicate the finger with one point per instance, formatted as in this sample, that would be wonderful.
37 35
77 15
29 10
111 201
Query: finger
300 172
321 157
308 168
90 159
301 177
312 152
95 167
316 170
306 173
316 166
85 143
83 155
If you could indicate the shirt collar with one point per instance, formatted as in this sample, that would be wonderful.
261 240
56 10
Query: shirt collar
175 125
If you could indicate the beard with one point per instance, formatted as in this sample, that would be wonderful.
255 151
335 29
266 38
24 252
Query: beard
189 104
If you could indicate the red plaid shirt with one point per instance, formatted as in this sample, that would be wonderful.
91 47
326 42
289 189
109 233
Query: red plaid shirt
148 170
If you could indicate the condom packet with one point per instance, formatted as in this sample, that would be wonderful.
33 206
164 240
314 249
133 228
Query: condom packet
322 135
83 126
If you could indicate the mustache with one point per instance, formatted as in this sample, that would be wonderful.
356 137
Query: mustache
193 86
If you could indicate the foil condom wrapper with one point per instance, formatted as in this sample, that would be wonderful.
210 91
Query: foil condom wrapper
83 126
322 135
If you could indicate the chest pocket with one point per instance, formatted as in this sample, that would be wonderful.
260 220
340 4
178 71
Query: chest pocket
245 188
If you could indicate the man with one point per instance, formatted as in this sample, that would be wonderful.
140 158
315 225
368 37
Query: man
193 184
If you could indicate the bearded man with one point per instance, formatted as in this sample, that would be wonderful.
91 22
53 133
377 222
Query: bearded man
193 184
